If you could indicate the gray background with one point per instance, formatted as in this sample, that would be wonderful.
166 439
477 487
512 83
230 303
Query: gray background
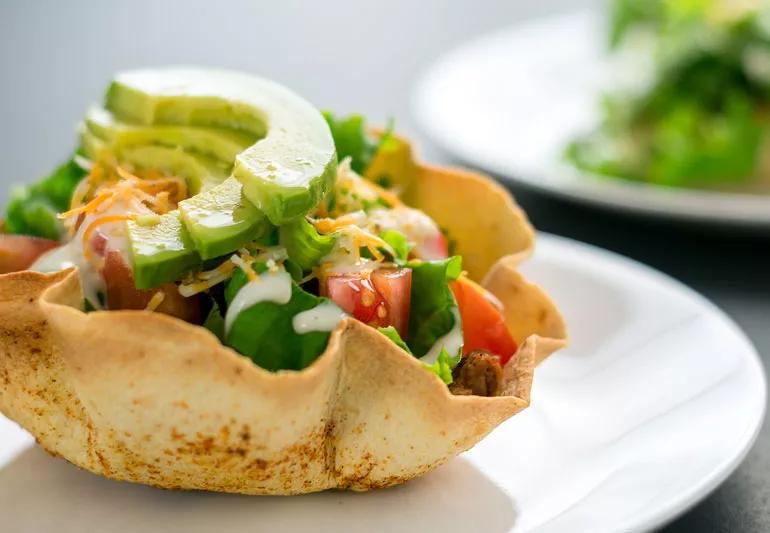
56 57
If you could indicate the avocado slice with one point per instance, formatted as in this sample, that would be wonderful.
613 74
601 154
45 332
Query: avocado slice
200 172
220 144
216 223
220 220
161 252
285 173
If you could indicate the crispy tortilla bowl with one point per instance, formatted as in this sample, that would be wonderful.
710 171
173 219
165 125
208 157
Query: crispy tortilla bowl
143 397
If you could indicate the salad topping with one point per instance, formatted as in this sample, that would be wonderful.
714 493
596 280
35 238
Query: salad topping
269 259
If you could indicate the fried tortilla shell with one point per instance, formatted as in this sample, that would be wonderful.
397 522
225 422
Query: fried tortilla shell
143 397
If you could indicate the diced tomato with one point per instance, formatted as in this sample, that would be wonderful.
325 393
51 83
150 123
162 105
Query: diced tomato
483 324
379 299
18 252
122 294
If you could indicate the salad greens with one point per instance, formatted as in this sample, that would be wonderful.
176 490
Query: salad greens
304 245
359 245
215 322
265 332
433 306
444 365
399 243
352 140
392 333
32 210
701 119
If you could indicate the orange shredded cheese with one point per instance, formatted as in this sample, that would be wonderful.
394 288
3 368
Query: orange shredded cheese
390 198
330 225
89 207
98 222
245 265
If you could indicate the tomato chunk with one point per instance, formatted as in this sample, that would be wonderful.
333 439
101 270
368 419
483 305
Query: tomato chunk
122 294
379 298
483 324
18 252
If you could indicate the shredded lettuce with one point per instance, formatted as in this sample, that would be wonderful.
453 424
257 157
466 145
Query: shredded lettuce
433 306
444 365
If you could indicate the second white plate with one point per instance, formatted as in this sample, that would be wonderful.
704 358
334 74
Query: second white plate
657 399
509 102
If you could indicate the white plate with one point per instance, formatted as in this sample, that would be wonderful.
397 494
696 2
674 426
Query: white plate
509 102
655 402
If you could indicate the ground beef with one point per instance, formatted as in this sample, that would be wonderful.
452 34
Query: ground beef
479 373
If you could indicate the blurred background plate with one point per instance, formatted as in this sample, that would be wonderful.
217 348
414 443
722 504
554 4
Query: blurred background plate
657 399
510 101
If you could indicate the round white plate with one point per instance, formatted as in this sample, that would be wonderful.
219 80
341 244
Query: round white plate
510 101
655 402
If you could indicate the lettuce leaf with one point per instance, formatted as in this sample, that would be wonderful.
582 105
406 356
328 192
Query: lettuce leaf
433 306
265 332
303 243
391 333
352 140
399 243
32 210
215 322
444 365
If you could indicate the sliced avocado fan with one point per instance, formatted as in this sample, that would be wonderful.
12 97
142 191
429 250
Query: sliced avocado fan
252 151
285 173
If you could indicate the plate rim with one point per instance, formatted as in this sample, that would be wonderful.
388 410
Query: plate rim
732 209
685 500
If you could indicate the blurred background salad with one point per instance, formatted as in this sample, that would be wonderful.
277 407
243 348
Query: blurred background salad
700 117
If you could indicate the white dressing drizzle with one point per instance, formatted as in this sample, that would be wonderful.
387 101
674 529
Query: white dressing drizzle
323 317
270 287
452 341
71 255
418 227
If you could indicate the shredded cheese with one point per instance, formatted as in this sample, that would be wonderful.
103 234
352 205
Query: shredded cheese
155 301
98 222
390 198
203 281
245 266
325 226
89 207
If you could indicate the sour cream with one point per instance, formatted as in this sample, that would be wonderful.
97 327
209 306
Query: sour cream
323 317
270 287
452 341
